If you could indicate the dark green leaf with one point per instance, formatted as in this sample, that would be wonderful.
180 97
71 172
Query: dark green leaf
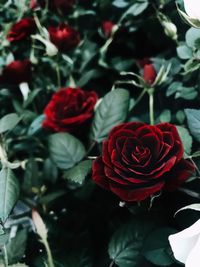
156 247
126 244
16 246
78 173
65 150
9 192
111 111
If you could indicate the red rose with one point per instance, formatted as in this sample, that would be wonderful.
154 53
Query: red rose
139 160
107 27
69 109
21 30
149 73
64 37
16 72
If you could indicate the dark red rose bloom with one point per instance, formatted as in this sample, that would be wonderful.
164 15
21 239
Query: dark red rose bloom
21 30
149 73
64 37
69 109
107 27
139 160
16 72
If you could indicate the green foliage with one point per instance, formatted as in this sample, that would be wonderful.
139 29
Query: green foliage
78 173
111 111
156 247
8 122
186 139
126 245
65 150
9 192
16 247
193 120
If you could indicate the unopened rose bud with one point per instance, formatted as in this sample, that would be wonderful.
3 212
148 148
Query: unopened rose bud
170 29
149 73
39 225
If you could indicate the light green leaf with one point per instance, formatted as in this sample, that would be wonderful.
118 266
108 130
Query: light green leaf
65 150
185 138
78 173
8 122
193 119
184 52
9 192
192 37
111 111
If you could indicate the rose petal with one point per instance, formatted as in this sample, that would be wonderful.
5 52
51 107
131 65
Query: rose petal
98 173
178 175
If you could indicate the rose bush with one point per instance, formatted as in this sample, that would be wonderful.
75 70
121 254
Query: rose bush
139 160
69 109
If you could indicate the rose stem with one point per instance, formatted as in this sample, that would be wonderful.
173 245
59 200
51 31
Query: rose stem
137 101
151 105
58 75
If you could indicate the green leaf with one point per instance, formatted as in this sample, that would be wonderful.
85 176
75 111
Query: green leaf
165 116
193 119
31 175
36 125
8 122
192 36
51 197
111 111
157 248
65 150
16 246
126 244
185 138
9 192
184 52
136 9
78 173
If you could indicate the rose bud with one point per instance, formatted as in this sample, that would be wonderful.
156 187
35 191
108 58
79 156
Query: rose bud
186 245
107 27
33 4
139 160
21 30
64 37
16 72
69 109
149 73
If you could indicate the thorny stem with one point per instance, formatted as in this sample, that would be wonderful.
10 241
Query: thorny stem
137 101
49 254
58 75
151 105
111 264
